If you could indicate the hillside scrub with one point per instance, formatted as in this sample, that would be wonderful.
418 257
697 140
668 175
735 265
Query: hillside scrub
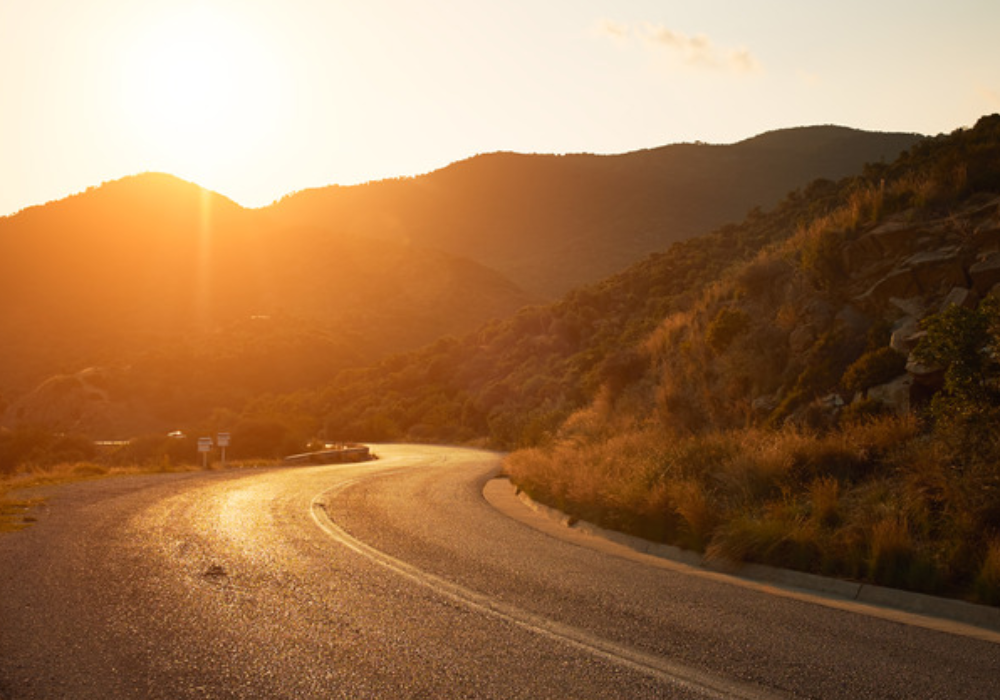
826 402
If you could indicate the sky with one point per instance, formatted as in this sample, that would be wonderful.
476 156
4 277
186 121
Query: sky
256 99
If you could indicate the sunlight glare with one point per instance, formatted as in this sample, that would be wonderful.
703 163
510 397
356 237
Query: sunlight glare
200 89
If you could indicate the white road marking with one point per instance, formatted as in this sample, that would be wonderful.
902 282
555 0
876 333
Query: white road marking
670 672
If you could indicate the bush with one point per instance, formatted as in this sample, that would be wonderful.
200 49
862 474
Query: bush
33 446
873 368
987 584
725 327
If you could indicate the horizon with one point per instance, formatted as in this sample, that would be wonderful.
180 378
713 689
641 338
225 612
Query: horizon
126 176
257 100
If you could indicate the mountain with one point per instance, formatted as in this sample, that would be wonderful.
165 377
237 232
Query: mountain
151 271
553 223
751 323
186 302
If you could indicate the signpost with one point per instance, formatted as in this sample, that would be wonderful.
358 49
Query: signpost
222 440
204 446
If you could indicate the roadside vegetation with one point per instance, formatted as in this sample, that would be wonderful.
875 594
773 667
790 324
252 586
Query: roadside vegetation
31 457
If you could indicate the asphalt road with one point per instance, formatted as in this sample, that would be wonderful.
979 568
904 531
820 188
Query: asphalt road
397 579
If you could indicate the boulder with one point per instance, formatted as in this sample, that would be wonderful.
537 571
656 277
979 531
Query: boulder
960 296
937 270
987 238
862 254
898 283
911 306
895 395
764 405
985 274
895 238
904 335
930 376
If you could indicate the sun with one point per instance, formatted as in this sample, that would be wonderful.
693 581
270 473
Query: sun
200 89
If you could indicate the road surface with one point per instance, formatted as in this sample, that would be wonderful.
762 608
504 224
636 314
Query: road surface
397 579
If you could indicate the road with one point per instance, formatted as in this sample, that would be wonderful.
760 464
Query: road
397 579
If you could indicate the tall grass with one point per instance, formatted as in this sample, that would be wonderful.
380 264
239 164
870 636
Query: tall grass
876 501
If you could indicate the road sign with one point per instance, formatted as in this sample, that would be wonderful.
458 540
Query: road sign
205 444
222 439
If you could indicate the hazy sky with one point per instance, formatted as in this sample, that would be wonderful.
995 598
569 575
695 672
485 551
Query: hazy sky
259 98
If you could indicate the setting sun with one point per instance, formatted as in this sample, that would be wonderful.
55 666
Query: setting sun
200 88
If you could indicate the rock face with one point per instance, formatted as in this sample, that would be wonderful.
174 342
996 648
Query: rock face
934 261
898 260
985 274
904 272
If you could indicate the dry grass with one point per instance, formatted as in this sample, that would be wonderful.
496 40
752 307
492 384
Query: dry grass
875 501
987 584
15 511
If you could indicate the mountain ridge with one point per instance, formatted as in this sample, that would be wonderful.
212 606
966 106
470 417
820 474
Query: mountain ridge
554 222
130 272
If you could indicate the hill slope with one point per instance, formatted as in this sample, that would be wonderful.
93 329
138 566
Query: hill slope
159 280
151 266
553 223
828 404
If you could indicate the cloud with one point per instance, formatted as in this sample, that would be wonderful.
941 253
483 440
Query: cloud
615 30
697 51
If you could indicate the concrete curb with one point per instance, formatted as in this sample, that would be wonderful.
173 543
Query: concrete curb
982 616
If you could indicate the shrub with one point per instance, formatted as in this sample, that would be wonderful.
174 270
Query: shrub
862 411
725 327
987 584
33 446
891 552
873 368
821 256
824 499
778 536
699 514
965 411
763 275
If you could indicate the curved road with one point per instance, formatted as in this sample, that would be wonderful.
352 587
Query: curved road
396 579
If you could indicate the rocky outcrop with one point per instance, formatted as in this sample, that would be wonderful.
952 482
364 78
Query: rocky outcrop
899 259
907 271
985 274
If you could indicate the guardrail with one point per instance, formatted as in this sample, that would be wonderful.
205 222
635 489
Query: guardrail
337 455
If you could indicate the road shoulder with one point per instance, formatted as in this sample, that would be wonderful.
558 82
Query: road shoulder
945 615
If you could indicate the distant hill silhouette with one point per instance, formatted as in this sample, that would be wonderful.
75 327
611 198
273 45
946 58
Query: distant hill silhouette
552 223
190 302
151 265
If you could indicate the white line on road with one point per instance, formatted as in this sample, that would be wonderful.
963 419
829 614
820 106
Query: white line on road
665 670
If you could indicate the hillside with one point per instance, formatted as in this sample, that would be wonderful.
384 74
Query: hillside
553 223
181 289
188 302
828 404
515 380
